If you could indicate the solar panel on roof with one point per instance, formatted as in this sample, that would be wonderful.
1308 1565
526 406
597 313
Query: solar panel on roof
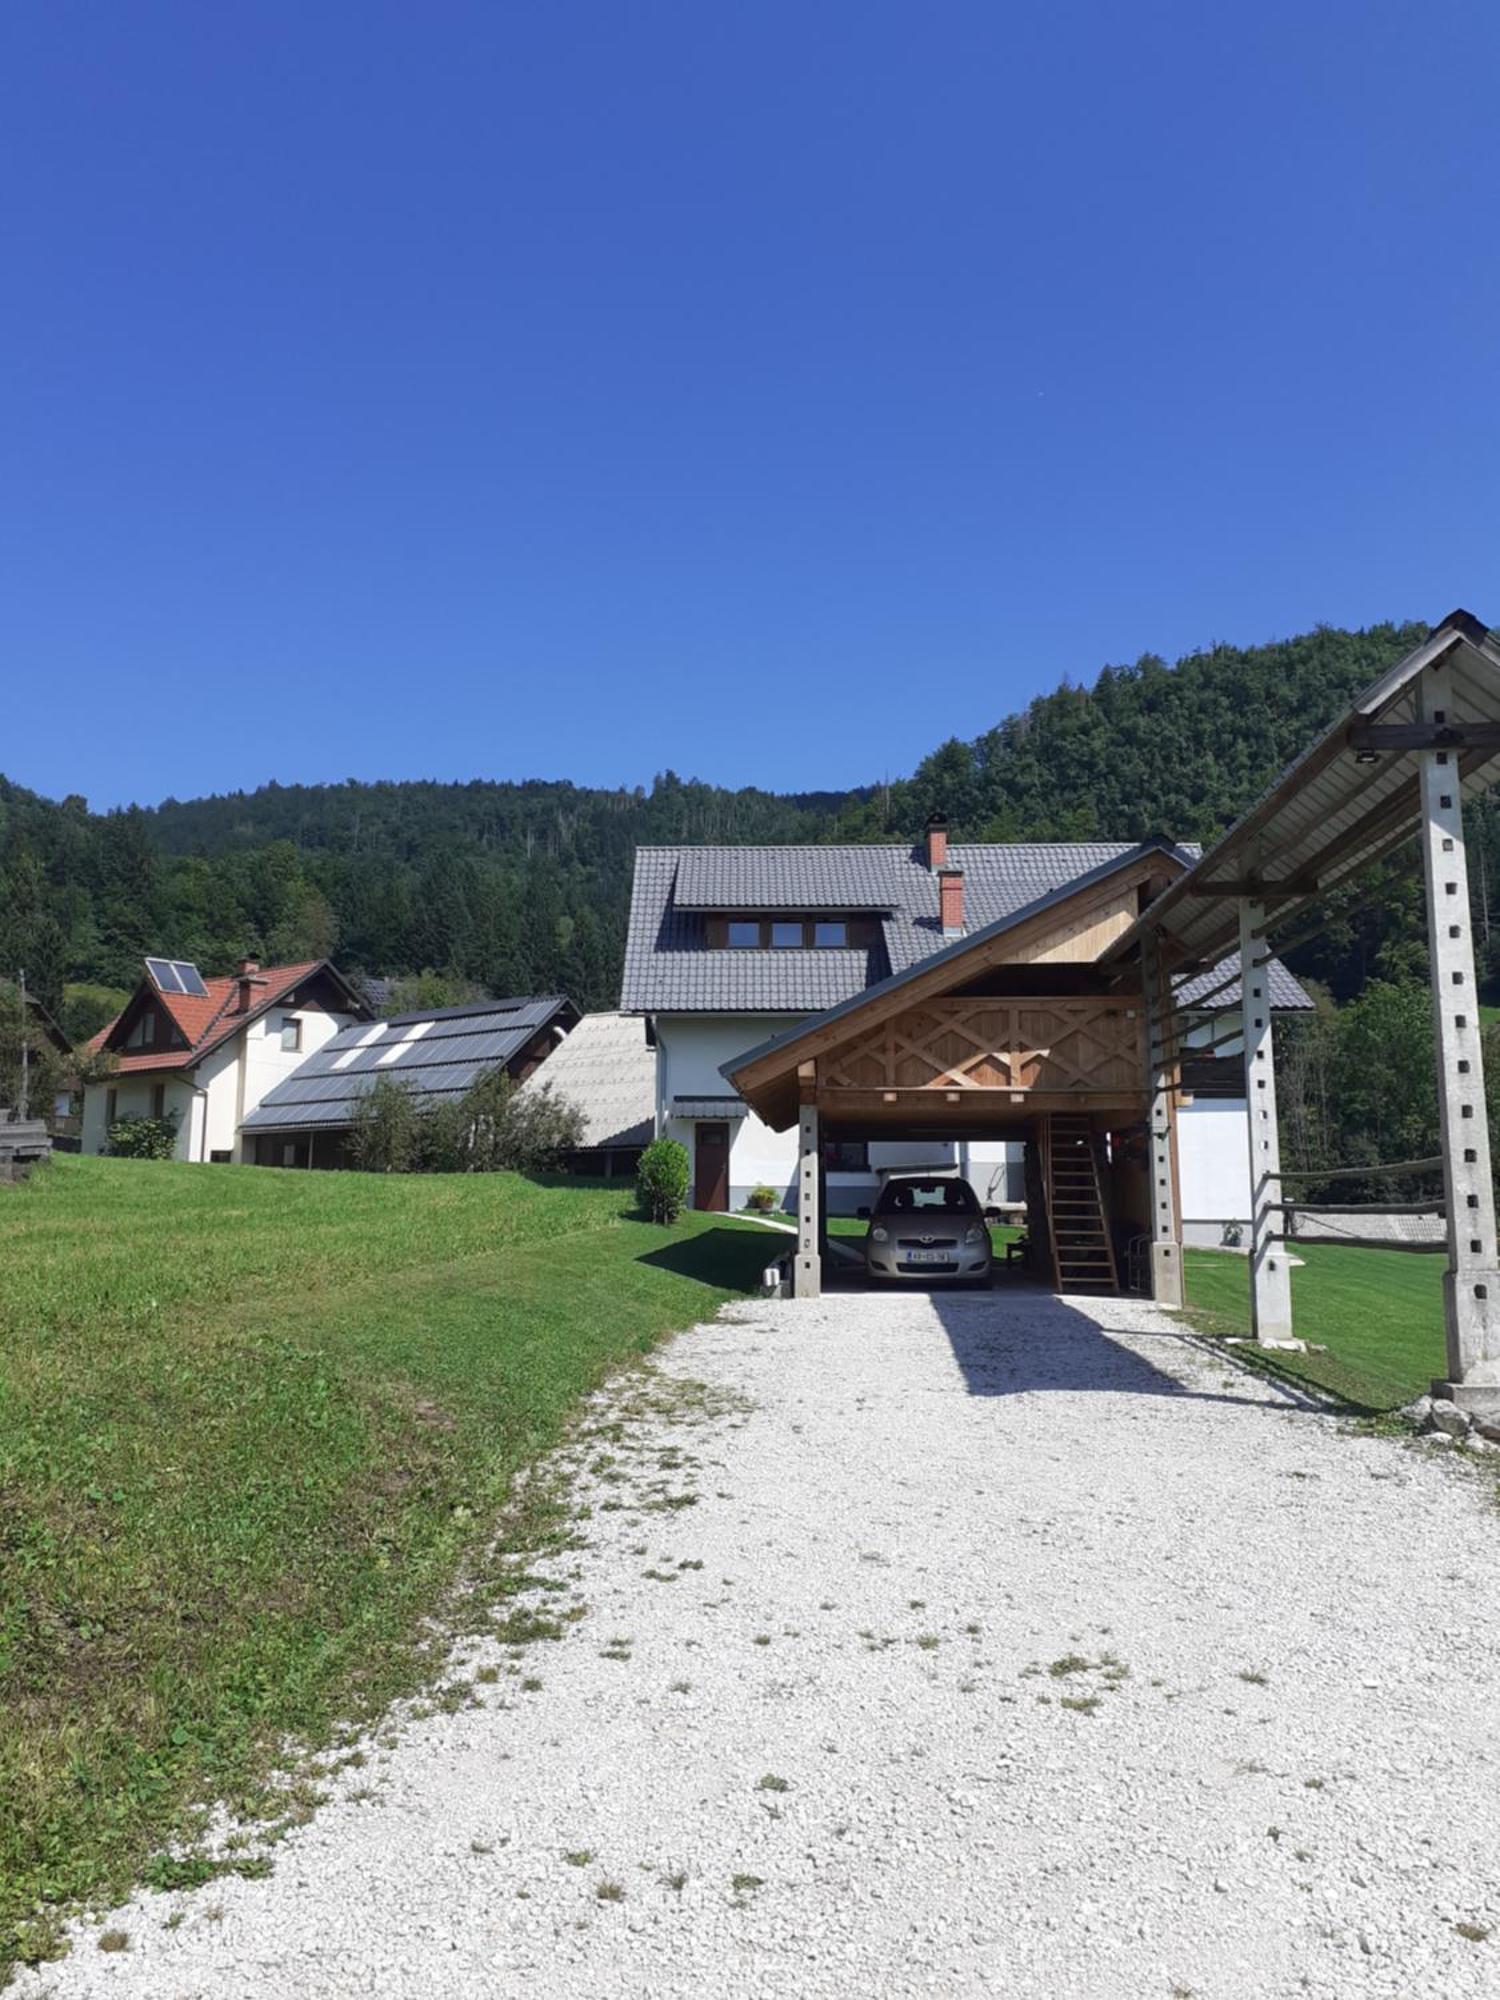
176 975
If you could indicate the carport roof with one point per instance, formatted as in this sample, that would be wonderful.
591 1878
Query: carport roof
1347 801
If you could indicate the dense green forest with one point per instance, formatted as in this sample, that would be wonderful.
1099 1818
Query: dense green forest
525 887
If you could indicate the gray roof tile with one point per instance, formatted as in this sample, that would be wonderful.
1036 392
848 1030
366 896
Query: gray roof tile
670 969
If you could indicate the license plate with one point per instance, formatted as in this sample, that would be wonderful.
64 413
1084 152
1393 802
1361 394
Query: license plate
928 1257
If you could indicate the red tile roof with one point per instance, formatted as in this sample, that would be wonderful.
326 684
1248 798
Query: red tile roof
205 1019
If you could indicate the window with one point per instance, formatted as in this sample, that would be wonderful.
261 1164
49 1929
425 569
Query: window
831 933
143 1034
158 1099
942 1197
111 1106
291 1034
219 1158
846 1156
744 936
786 936
62 1104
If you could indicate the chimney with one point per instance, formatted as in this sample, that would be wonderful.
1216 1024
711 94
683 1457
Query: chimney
951 900
937 842
249 975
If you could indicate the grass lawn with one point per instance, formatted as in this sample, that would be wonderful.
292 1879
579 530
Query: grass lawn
251 1424
1379 1313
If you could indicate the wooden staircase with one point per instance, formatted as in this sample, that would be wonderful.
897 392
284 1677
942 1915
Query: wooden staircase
1083 1256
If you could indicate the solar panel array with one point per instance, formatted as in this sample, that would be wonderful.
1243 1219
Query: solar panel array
439 1054
176 975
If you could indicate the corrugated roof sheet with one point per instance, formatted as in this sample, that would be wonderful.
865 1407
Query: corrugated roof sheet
606 1068
440 1053
1338 807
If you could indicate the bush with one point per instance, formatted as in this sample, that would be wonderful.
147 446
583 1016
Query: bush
662 1180
495 1127
145 1138
386 1135
761 1198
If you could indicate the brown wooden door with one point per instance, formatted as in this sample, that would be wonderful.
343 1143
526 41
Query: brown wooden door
711 1167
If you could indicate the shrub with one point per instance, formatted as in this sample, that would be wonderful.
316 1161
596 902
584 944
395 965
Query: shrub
495 1127
386 1135
527 1131
662 1180
761 1198
145 1138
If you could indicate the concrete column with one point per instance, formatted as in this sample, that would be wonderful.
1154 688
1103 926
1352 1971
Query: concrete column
1270 1269
1471 1284
807 1271
1166 1230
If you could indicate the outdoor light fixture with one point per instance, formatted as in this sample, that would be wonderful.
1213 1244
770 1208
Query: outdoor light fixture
1367 756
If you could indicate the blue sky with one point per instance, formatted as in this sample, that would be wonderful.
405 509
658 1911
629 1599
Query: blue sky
766 391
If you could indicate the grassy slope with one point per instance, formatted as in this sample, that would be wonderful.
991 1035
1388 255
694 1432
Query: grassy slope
250 1423
1379 1312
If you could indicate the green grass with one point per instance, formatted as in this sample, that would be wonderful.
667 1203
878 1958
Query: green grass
1378 1312
251 1425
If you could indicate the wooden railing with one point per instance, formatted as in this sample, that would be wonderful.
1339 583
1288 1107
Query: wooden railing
1067 1045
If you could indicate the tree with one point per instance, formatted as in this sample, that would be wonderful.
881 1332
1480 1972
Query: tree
47 1070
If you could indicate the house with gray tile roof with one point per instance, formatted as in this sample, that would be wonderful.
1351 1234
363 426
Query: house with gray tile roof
730 947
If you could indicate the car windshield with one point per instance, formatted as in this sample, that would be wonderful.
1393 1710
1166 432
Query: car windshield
950 1197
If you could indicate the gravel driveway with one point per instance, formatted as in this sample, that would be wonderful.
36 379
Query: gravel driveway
967 1645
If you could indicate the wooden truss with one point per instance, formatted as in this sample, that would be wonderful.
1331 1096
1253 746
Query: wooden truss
1069 1046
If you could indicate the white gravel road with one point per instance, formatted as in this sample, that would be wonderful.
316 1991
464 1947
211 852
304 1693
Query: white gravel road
1006 1644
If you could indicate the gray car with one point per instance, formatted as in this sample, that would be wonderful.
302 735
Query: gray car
923 1228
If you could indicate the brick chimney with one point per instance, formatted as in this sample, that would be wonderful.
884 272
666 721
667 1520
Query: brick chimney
937 842
951 900
249 974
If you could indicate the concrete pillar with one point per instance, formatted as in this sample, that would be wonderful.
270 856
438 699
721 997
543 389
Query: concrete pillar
1471 1284
1166 1230
1270 1268
807 1270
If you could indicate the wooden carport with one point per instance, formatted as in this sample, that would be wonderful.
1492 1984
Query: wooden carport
1013 1024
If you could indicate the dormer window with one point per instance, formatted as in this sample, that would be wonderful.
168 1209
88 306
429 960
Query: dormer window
791 933
143 1033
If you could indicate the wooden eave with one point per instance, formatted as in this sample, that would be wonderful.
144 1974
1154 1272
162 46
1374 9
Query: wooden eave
767 1078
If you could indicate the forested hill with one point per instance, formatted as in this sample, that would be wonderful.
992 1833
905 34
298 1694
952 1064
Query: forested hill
525 887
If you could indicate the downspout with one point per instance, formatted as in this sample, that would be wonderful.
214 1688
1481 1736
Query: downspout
661 1079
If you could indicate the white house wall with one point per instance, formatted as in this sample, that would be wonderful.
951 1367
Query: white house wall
690 1049
1213 1165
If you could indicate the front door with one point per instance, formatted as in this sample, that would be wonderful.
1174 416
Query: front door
711 1167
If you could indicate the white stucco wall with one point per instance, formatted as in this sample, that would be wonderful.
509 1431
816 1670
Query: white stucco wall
1213 1166
689 1050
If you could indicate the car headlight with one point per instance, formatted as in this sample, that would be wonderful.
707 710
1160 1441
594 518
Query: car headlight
976 1233
878 1235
